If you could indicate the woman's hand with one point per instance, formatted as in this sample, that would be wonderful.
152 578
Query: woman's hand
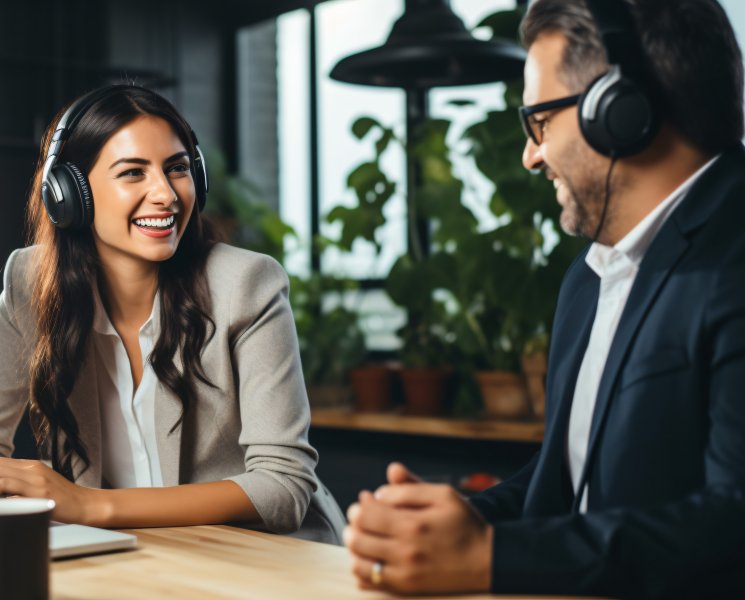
33 479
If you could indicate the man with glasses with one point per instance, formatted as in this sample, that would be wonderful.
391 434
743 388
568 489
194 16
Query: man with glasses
639 487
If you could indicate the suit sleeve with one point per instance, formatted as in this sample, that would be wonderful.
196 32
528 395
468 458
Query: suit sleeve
13 356
275 416
690 547
505 501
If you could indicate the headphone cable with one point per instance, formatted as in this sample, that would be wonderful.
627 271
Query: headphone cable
607 200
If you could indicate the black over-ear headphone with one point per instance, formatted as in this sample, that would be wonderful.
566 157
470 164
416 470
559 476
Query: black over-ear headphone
64 187
616 113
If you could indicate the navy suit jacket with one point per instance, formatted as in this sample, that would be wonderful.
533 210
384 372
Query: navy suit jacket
666 457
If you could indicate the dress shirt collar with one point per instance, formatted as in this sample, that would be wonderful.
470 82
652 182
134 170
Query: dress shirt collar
630 250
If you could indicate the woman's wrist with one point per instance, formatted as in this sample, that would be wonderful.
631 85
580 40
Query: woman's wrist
97 507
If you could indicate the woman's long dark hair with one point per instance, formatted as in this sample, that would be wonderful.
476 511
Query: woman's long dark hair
66 267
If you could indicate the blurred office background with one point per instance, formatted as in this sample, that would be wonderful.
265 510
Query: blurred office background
252 78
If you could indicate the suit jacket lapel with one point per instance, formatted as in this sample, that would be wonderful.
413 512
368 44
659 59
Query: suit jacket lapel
168 409
83 403
661 257
570 337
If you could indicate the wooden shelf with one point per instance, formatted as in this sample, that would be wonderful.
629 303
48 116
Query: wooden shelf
483 429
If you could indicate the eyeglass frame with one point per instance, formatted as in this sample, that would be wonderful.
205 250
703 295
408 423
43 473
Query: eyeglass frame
528 111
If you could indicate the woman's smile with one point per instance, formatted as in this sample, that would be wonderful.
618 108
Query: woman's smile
157 226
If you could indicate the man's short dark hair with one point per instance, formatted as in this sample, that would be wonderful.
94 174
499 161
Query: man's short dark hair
694 61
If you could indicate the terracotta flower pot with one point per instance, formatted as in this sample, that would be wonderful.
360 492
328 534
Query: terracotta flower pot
424 390
534 368
505 394
328 395
372 387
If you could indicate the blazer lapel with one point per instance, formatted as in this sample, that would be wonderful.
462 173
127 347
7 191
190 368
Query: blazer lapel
83 403
569 342
656 266
168 409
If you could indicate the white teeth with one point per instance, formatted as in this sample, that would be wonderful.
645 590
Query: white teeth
162 223
557 183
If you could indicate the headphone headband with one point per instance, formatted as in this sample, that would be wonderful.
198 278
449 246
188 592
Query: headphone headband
618 34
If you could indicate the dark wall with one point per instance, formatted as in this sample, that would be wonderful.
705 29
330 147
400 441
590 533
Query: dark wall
40 68
350 461
54 50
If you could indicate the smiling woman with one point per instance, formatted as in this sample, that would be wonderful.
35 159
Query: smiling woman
161 369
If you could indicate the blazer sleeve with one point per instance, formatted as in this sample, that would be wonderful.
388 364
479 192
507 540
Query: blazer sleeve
689 547
275 416
13 351
504 502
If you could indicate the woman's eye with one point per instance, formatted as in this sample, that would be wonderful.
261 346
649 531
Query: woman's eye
178 169
136 172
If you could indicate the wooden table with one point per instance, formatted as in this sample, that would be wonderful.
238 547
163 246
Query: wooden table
212 562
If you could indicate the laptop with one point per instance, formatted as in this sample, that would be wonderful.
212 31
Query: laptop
76 540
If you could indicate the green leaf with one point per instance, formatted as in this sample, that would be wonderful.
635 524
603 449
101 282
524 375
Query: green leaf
498 205
364 178
356 223
362 126
382 143
513 94
504 24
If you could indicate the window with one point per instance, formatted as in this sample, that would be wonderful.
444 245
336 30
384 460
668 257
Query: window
342 28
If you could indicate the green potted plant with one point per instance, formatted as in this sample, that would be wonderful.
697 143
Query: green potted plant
331 341
479 298
424 350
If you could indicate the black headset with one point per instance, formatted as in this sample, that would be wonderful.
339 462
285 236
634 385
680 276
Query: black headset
617 114
64 187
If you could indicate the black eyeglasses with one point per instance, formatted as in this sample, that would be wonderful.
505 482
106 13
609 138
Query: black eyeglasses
533 127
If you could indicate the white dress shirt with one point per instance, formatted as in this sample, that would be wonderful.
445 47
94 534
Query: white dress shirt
617 267
130 453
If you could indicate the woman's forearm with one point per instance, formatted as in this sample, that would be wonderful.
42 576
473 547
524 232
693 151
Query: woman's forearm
189 504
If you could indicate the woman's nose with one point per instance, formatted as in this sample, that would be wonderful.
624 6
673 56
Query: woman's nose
161 191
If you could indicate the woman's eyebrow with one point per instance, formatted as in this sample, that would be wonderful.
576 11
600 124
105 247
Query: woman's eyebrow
176 156
138 161
144 161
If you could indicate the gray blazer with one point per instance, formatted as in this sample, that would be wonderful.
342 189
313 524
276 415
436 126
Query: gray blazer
252 428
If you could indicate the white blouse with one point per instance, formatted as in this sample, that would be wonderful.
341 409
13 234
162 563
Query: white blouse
129 448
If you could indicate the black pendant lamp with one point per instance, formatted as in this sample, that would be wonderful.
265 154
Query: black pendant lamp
429 46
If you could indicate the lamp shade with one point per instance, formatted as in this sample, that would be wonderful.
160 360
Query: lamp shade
429 46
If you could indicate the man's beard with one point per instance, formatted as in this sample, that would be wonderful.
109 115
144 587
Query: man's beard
583 214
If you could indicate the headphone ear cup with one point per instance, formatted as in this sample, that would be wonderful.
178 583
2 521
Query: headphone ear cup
201 183
616 116
75 211
54 203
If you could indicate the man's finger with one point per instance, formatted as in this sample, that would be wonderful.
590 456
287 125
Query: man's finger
368 545
373 517
398 473
391 576
411 495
